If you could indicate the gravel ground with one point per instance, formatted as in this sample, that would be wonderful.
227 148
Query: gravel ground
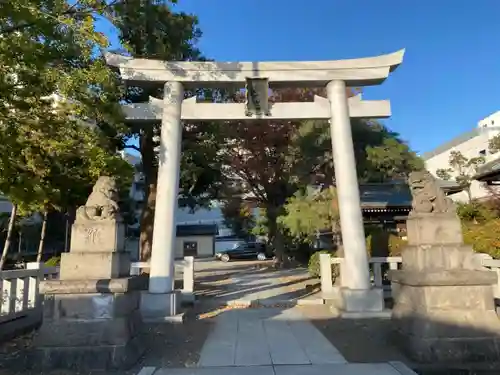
359 340
367 341
167 345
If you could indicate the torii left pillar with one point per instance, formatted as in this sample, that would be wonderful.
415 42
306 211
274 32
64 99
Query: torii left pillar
161 302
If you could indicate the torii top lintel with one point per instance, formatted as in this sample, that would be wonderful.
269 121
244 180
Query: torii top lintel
355 72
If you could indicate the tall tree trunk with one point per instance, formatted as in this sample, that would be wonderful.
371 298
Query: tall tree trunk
147 222
469 194
10 229
337 239
19 244
41 244
150 171
276 236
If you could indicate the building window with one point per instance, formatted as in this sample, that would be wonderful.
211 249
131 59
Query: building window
190 248
482 153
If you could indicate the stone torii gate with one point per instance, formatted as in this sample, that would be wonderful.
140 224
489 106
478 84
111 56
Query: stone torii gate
258 77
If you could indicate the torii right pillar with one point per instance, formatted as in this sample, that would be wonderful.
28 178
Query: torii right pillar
358 298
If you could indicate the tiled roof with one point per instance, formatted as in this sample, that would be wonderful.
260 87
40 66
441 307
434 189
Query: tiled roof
384 195
393 196
489 171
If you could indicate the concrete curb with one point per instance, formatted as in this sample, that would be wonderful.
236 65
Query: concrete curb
275 303
179 318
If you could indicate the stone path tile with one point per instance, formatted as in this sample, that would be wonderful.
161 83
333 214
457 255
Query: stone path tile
252 348
252 370
220 347
332 369
317 348
338 369
255 337
283 345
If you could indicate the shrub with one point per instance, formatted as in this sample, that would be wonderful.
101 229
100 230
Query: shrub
474 211
53 262
483 237
314 268
394 246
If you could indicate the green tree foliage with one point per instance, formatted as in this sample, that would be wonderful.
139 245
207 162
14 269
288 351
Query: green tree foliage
461 169
56 93
306 214
238 216
392 159
494 144
152 29
273 159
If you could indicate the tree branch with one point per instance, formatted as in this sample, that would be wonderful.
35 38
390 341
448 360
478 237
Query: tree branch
71 11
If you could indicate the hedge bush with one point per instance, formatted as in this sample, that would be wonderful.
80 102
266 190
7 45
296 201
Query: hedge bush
53 262
395 244
314 267
483 237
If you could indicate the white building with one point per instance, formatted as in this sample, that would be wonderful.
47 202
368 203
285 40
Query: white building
471 144
184 216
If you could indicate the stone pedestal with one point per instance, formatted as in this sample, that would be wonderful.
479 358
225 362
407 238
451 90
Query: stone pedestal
370 300
90 325
444 310
91 314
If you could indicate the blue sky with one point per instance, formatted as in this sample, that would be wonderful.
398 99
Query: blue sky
450 76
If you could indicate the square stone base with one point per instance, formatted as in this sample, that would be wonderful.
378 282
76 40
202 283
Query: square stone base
162 307
359 301
443 350
85 358
434 229
446 317
84 328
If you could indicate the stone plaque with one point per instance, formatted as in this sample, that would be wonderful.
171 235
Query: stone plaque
257 97
98 236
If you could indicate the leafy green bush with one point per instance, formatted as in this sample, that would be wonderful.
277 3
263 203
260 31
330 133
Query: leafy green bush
475 211
53 262
394 244
314 267
483 237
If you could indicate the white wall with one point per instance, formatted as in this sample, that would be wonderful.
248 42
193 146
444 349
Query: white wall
470 144
205 245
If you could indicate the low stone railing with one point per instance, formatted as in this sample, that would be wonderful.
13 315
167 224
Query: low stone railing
187 268
376 267
394 263
20 301
494 265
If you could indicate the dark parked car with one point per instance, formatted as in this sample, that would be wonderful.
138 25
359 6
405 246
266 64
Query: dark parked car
249 250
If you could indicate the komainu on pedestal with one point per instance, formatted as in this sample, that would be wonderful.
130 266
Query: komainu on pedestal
91 314
444 307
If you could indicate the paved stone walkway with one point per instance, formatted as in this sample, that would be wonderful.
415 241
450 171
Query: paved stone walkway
242 284
272 341
266 336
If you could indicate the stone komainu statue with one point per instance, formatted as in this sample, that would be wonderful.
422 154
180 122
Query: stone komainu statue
428 197
102 203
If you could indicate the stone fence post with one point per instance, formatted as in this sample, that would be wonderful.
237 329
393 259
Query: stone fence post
325 269
188 280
